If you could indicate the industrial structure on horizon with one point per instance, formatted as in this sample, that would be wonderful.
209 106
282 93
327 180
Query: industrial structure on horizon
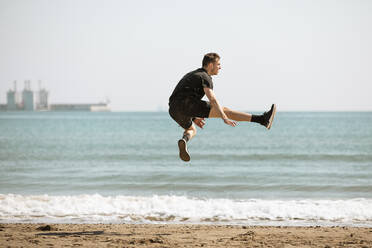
27 100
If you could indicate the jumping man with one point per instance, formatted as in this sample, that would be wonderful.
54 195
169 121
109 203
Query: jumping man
186 106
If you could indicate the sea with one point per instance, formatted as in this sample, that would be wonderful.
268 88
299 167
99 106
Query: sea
309 169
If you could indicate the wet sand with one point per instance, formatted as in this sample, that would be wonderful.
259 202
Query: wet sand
129 235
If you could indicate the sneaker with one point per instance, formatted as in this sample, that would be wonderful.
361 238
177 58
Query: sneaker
184 154
269 117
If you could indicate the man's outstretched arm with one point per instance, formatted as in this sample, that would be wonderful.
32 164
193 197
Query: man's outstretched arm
216 106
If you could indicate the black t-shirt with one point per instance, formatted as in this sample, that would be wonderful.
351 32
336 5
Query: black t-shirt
192 85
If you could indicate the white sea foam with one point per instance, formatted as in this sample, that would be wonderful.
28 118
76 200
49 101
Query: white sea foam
181 209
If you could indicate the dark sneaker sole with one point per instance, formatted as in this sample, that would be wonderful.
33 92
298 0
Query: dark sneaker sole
184 155
272 117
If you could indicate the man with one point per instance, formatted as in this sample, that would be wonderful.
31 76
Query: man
186 106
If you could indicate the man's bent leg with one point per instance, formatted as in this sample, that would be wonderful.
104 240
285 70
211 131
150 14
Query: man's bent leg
189 133
182 143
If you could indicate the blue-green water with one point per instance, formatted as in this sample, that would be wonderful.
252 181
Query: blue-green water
306 160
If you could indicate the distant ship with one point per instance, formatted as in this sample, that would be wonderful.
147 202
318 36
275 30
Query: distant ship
28 101
92 107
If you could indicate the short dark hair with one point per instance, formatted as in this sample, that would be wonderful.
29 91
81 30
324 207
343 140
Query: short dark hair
210 58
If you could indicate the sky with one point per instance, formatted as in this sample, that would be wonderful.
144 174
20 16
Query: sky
302 55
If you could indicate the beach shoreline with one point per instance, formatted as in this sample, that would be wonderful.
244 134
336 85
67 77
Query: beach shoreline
180 235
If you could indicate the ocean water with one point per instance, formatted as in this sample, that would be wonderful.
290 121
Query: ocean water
82 167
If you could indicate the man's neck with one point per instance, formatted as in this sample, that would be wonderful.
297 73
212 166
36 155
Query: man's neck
206 69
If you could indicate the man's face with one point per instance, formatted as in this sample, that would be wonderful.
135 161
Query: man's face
216 66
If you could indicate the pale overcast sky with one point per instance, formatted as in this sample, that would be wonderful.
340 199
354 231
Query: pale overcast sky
302 55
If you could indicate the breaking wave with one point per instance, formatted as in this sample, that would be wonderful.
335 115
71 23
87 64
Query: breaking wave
181 209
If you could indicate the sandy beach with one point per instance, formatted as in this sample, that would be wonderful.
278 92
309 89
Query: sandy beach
130 235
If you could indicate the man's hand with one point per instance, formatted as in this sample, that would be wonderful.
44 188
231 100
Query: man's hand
229 122
199 122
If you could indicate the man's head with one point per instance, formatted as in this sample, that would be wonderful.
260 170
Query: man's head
211 63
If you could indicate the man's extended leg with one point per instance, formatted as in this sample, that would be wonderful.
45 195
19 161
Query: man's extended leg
231 114
182 143
265 119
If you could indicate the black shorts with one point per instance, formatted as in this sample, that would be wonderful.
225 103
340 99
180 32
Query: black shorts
183 110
